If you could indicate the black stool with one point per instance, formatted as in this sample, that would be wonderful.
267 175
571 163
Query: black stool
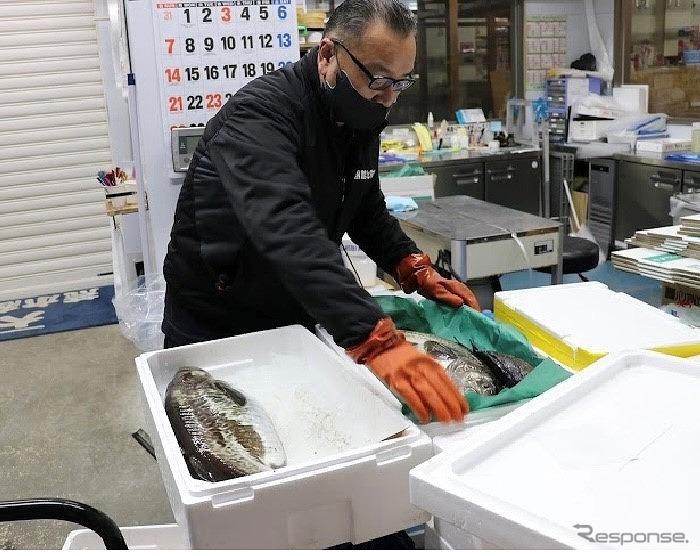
578 255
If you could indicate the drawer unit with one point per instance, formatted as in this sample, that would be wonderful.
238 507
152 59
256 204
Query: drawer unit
643 197
691 182
514 183
459 179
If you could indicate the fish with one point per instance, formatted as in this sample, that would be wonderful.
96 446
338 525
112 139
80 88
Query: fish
508 369
466 370
222 433
443 350
469 373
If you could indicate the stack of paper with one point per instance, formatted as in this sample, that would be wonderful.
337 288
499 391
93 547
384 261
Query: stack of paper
667 239
690 225
668 267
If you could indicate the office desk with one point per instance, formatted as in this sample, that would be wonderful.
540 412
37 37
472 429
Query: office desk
484 239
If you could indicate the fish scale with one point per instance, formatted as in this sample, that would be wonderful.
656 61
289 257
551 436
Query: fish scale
222 433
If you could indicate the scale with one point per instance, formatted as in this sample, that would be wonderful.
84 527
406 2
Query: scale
183 142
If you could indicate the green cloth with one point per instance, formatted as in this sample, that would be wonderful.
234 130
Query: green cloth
468 326
408 169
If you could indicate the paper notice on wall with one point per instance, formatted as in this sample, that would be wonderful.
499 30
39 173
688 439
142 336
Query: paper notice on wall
545 47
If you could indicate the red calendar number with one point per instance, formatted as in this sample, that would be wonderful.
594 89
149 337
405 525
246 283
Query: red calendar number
213 101
175 104
170 44
226 15
172 75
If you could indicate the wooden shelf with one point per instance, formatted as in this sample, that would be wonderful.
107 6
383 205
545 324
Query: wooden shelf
125 209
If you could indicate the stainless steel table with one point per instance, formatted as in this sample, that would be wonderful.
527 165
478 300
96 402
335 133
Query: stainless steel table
484 239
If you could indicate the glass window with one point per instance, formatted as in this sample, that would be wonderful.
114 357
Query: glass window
660 46
463 60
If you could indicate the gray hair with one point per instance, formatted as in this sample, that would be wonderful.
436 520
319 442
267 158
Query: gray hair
349 21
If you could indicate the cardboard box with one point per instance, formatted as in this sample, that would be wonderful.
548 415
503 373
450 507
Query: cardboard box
590 130
580 200
663 145
346 478
679 294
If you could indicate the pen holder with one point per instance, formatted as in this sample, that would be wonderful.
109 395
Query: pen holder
122 194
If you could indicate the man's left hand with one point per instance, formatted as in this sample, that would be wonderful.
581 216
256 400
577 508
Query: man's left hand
416 273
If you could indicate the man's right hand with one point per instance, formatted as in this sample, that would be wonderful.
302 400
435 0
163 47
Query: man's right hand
415 376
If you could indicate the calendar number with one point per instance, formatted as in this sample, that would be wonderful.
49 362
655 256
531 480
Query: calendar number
282 12
265 40
213 101
228 43
226 15
172 75
263 13
195 102
206 15
175 104
284 40
249 70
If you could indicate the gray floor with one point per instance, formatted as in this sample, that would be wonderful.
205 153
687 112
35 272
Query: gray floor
68 405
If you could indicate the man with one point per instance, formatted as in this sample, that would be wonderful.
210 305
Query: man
283 170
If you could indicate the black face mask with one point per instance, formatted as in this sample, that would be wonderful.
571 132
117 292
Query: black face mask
351 108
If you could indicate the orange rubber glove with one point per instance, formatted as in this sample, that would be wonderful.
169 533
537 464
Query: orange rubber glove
416 273
415 376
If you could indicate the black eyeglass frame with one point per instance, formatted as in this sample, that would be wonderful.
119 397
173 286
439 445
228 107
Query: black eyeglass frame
375 83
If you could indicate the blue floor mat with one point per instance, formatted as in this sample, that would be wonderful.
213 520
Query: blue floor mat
639 287
57 312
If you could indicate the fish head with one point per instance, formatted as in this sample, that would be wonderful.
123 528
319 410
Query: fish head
191 376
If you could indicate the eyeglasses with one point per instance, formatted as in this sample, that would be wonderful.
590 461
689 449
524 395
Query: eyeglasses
378 83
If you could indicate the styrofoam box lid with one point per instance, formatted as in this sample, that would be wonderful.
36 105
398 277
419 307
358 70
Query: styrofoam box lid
591 316
613 450
313 397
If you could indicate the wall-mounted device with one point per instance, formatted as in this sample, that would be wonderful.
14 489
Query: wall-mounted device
183 141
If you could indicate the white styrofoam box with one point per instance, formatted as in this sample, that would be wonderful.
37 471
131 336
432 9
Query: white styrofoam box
408 186
605 453
342 482
454 538
433 541
589 319
143 537
447 436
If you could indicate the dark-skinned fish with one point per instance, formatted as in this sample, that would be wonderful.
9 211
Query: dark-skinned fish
222 433
509 369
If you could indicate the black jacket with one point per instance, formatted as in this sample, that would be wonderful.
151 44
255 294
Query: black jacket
273 185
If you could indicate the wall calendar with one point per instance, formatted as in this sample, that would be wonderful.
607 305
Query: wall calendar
206 51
